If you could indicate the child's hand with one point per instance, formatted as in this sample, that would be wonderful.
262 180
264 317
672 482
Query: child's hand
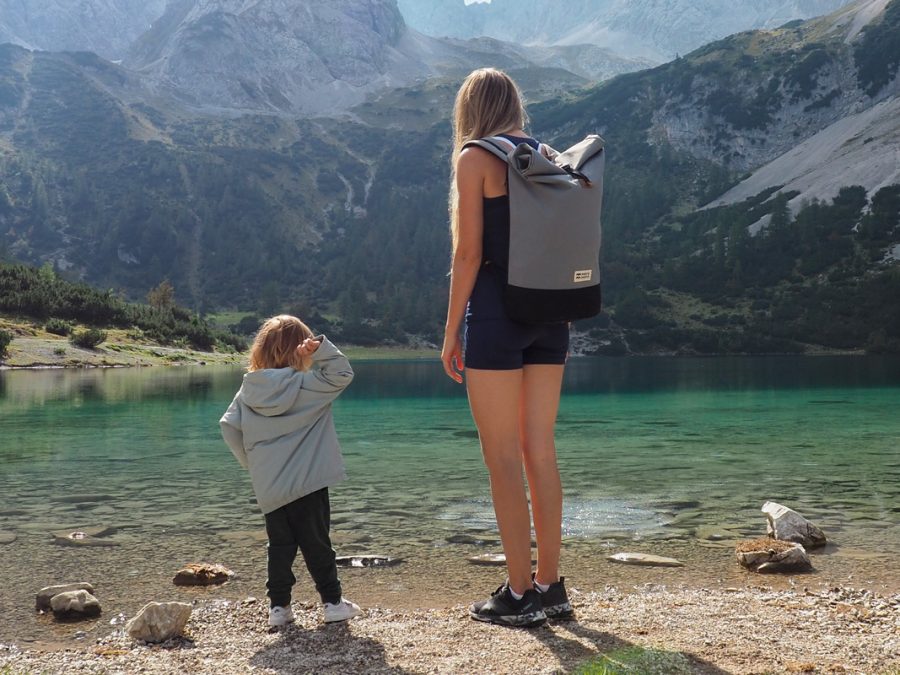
308 346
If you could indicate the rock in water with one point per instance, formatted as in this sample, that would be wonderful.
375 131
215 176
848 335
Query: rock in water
90 536
74 605
786 524
645 559
488 559
7 537
366 561
42 600
771 555
202 574
159 621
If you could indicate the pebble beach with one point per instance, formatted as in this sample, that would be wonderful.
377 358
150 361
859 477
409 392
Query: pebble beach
651 629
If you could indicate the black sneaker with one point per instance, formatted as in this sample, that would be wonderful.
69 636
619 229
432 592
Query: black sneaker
502 608
555 600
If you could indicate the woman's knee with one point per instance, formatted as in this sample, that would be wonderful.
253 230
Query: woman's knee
502 458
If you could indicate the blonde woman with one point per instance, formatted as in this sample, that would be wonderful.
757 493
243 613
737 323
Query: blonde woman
513 371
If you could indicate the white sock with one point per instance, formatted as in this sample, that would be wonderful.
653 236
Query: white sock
516 596
543 588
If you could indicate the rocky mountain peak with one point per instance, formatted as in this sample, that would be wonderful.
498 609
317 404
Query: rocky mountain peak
282 55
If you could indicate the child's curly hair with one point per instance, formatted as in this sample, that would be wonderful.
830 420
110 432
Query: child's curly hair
276 344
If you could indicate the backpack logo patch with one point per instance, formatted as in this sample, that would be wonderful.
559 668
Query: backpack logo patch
582 276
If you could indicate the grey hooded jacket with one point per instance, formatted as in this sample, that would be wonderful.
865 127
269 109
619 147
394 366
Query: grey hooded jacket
280 427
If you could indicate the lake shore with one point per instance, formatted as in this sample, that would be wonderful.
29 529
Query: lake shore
654 629
43 352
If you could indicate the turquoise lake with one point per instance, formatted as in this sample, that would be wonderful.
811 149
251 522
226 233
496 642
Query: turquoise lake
673 456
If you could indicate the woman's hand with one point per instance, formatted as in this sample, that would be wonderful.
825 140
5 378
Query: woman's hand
452 358
308 347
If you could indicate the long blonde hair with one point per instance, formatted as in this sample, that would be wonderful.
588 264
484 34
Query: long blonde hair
276 344
488 103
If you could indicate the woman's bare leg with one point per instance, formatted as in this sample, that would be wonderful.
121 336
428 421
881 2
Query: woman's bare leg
541 385
494 396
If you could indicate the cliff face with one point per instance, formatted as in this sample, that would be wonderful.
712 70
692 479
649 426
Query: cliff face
649 29
107 27
279 55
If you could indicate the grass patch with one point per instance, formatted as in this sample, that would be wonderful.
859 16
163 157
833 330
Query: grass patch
637 661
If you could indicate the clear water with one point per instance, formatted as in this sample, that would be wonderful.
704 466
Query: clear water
661 455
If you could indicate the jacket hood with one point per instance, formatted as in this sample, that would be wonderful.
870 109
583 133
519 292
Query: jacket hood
272 391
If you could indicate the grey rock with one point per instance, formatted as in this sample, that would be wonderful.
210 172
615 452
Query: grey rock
786 524
7 537
42 600
644 559
159 621
74 605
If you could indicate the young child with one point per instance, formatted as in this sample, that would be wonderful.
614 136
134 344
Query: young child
280 427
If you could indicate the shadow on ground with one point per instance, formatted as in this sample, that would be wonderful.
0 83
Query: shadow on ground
588 651
328 648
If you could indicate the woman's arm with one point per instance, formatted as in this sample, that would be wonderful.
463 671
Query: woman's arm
471 169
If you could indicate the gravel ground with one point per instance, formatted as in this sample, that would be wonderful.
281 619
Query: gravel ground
747 630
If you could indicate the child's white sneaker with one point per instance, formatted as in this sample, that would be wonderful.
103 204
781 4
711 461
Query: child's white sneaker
341 611
279 616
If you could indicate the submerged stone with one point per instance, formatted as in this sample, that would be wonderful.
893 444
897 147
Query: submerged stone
645 559
91 536
7 537
366 561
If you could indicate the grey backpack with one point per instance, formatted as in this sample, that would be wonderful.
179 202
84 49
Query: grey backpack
553 273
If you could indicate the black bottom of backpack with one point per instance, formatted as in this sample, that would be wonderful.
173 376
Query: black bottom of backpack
532 305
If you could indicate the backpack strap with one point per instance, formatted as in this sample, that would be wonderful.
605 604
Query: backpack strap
494 145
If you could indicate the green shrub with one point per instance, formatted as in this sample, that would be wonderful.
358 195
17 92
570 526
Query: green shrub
88 339
58 327
5 338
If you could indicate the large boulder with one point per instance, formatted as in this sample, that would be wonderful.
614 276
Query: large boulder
786 524
770 555
74 605
159 621
42 600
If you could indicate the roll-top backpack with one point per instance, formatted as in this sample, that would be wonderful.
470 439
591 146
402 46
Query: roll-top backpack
553 273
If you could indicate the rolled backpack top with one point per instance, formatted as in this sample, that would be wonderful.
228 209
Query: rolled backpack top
554 230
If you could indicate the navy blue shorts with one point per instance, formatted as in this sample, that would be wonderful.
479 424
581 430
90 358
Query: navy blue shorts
493 342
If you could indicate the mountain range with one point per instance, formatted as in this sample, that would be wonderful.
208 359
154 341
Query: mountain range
115 175
656 30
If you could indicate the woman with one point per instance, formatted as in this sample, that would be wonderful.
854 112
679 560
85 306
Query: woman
513 371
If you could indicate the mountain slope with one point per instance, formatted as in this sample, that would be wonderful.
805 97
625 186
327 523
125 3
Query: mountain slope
861 148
